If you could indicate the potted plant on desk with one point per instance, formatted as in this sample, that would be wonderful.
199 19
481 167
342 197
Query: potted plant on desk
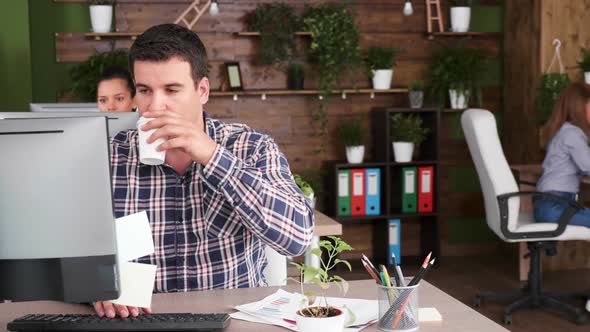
323 317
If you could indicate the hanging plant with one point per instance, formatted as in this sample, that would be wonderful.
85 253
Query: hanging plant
551 86
334 47
277 24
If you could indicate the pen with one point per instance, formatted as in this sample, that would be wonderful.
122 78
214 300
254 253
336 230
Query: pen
396 274
370 264
420 272
371 272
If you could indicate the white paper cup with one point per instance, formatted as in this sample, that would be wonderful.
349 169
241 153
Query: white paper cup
147 152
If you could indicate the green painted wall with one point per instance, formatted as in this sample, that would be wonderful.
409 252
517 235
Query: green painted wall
46 17
15 60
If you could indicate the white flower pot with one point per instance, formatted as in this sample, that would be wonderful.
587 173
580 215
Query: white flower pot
416 99
326 324
459 99
402 151
101 18
355 154
460 17
382 79
587 77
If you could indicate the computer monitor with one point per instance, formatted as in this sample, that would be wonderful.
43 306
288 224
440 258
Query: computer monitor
64 107
118 121
57 229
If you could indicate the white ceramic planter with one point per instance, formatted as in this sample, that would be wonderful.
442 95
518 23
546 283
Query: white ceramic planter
416 99
382 79
355 154
327 324
402 151
460 17
587 77
101 18
459 99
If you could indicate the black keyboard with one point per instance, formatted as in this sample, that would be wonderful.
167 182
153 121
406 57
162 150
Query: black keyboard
145 322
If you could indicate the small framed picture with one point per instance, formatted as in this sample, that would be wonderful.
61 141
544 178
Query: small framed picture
234 76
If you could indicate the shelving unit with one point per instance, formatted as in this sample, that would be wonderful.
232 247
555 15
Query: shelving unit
390 187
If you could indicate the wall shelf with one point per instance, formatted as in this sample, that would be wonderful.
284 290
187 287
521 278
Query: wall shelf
468 34
256 33
283 92
99 36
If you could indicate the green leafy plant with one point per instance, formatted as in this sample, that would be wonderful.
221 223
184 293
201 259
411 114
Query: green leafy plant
86 74
277 24
551 86
417 85
101 2
351 133
380 58
305 187
584 64
321 276
461 3
457 68
334 46
408 128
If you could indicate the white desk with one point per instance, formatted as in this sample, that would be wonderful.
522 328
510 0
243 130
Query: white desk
457 317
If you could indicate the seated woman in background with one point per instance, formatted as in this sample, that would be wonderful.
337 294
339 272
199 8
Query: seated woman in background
568 156
115 91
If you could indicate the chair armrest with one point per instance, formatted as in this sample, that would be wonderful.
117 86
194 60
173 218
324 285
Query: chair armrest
562 223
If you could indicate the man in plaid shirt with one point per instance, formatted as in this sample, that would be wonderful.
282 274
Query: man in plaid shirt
225 191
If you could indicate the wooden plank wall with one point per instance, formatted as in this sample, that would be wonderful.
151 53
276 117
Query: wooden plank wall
288 118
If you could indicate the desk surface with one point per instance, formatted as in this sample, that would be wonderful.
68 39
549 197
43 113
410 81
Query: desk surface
325 225
457 317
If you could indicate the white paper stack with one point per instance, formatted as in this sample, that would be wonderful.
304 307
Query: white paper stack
134 240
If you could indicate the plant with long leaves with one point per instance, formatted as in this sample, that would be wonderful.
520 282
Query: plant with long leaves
321 276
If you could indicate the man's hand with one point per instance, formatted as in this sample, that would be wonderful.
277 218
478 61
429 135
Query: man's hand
109 309
181 133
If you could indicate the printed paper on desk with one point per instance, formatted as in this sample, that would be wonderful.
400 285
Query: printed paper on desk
279 309
134 237
137 284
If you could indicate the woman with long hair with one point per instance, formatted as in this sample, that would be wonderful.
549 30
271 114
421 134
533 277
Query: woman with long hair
568 156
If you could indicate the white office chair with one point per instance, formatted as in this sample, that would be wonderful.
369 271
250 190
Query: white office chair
502 204
275 271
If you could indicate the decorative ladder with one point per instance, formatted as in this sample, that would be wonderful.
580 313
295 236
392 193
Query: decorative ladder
437 17
199 11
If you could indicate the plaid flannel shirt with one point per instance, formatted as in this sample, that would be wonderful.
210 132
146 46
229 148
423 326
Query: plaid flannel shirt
212 223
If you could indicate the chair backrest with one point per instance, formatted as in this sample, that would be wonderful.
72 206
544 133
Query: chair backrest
275 272
493 170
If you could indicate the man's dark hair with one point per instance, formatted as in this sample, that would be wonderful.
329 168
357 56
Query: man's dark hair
165 41
111 73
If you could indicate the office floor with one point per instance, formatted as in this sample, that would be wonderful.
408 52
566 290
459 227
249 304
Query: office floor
462 277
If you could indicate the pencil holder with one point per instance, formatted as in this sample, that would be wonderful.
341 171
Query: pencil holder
398 308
